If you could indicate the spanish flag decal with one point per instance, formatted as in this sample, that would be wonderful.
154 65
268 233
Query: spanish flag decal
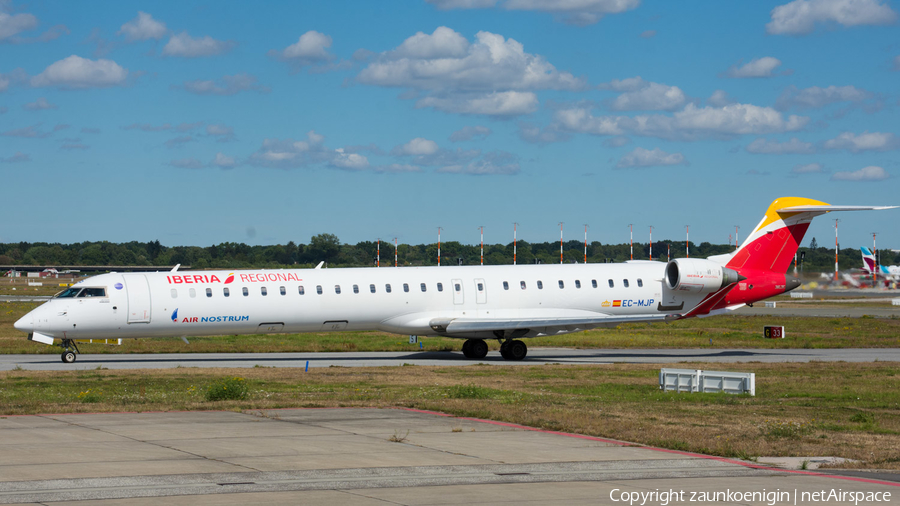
617 303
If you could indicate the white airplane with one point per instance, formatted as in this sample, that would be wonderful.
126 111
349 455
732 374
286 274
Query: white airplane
888 272
475 303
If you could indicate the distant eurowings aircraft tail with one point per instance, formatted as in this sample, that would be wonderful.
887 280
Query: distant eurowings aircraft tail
868 259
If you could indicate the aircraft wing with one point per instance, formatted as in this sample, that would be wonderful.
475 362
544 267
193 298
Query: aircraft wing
527 327
825 209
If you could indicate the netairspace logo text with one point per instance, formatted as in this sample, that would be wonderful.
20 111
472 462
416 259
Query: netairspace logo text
769 497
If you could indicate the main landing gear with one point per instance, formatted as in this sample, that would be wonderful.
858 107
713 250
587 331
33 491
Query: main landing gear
511 349
68 356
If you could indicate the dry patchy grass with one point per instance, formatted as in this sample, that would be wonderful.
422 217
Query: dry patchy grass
841 409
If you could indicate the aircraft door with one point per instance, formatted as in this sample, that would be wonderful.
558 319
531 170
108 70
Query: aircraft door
458 296
480 291
138 290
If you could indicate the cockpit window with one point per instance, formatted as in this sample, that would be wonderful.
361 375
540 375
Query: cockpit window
67 293
92 292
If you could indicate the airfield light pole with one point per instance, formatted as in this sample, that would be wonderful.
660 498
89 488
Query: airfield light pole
836 249
687 241
874 267
395 252
481 228
515 226
439 246
378 254
668 247
631 234
736 236
585 242
560 243
651 242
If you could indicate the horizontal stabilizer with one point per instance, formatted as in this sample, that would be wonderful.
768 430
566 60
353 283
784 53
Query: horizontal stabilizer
827 208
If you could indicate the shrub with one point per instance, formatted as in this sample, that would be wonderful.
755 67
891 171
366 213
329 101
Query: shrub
227 389
89 396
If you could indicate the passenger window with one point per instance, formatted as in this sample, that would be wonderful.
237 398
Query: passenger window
611 285
174 293
245 291
577 283
387 287
355 288
640 283
505 285
263 291
283 290
337 289
209 292
480 287
540 285
594 283
522 284
625 283
457 287
372 288
561 284
422 286
319 289
301 290
406 287
192 293
226 292
440 287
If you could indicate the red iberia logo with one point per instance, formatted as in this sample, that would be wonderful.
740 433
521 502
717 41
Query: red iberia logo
230 278
617 303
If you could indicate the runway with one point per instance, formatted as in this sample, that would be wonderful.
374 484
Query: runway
536 356
362 457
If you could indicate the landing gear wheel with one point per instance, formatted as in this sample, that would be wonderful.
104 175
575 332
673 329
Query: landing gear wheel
516 350
68 357
504 350
477 348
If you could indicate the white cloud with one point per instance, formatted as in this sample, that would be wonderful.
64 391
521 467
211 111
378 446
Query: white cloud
348 161
227 85
416 147
616 142
641 157
800 16
866 141
773 147
462 4
187 163
188 47
870 173
652 97
39 105
147 127
78 72
290 153
179 141
719 99
757 67
629 84
816 97
492 75
19 157
533 134
690 123
224 162
222 133
29 132
574 12
143 27
11 24
498 163
397 168
310 48
506 103
809 168
468 133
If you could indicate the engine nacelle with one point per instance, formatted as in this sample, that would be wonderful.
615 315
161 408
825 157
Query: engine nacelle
698 276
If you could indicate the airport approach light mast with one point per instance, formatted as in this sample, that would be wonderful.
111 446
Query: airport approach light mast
687 241
585 242
874 267
651 242
395 252
631 234
736 236
560 243
378 254
836 249
439 246
515 226
481 228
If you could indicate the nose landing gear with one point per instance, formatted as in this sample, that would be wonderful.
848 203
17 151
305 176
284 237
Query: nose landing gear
68 356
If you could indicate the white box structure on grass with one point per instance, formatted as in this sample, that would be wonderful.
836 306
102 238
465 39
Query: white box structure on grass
895 302
801 295
689 380
770 303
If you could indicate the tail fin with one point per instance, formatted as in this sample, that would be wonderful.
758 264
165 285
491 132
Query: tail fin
773 243
868 260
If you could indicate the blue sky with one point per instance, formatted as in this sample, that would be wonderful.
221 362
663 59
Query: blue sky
199 123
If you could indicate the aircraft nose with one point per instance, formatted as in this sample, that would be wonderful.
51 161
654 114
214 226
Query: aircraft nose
25 323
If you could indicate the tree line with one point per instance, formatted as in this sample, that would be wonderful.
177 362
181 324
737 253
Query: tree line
328 248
